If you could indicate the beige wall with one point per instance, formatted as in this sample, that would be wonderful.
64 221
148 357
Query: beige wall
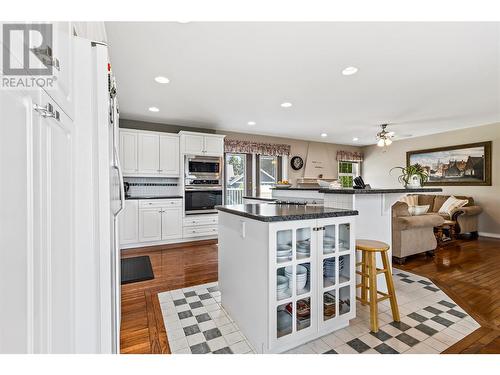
378 163
299 148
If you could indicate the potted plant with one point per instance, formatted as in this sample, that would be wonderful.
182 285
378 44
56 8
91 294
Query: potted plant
412 176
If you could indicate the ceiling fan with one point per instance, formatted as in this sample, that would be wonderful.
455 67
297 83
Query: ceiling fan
384 137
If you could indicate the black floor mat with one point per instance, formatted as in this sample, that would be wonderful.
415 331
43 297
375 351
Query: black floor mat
136 269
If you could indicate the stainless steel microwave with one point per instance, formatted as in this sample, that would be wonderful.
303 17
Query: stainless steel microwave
203 166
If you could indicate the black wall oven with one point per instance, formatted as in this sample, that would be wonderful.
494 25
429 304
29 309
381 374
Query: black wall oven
202 200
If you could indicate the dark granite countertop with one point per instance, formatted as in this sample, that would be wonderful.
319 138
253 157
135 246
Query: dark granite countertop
265 199
379 191
295 188
157 197
273 213
366 191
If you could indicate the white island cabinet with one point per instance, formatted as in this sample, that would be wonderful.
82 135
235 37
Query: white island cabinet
263 248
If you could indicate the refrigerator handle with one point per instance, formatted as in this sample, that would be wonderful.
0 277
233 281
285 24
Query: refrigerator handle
122 185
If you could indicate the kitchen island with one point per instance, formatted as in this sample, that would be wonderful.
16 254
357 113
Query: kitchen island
286 272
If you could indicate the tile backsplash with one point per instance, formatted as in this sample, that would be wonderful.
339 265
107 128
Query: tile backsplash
152 186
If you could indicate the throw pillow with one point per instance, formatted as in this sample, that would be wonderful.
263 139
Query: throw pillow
410 200
418 210
451 204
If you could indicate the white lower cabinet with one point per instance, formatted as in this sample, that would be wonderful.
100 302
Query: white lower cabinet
144 221
129 222
150 220
149 224
171 223
200 226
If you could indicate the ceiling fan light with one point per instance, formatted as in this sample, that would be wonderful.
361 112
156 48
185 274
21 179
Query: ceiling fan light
380 143
388 141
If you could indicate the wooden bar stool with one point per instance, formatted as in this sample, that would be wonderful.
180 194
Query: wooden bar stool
368 273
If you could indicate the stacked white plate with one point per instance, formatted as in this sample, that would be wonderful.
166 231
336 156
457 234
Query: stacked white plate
301 276
303 248
283 252
282 286
328 244
329 268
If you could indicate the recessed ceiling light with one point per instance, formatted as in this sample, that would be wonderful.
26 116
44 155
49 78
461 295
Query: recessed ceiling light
349 71
286 104
355 139
251 123
154 109
161 79
324 135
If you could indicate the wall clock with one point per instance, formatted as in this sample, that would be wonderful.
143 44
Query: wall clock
296 163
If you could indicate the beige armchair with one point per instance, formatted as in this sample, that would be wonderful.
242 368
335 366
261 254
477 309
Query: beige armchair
412 234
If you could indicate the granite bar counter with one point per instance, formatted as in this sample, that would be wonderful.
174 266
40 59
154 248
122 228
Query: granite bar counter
156 197
284 212
257 199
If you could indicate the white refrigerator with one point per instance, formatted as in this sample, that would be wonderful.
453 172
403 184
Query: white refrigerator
98 81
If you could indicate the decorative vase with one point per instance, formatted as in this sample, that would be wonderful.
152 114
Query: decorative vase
414 182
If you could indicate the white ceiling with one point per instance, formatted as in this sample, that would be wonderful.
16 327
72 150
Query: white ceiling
424 77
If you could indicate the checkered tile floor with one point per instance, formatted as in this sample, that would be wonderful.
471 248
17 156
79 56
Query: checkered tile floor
430 322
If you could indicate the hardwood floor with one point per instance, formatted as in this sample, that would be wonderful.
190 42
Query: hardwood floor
174 266
468 271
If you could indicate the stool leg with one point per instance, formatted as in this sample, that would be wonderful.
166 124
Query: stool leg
390 287
364 279
372 271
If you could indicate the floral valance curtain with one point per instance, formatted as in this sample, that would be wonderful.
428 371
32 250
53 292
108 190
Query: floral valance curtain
349 156
248 147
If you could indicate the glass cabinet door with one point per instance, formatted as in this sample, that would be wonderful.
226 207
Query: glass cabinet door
294 304
329 239
345 237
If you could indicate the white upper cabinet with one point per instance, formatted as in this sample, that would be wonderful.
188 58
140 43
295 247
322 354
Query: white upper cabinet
149 153
128 152
202 144
145 153
214 146
193 144
169 155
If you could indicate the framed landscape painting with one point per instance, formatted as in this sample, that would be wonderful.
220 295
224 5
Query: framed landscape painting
468 164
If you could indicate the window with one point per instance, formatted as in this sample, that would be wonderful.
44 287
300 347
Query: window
269 173
236 177
347 171
250 174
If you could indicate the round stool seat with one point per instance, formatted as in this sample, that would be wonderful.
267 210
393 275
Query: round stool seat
371 245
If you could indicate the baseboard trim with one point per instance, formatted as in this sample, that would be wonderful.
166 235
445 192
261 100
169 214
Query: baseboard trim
492 235
170 244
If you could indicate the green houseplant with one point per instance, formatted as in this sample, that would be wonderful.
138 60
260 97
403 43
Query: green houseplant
412 176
